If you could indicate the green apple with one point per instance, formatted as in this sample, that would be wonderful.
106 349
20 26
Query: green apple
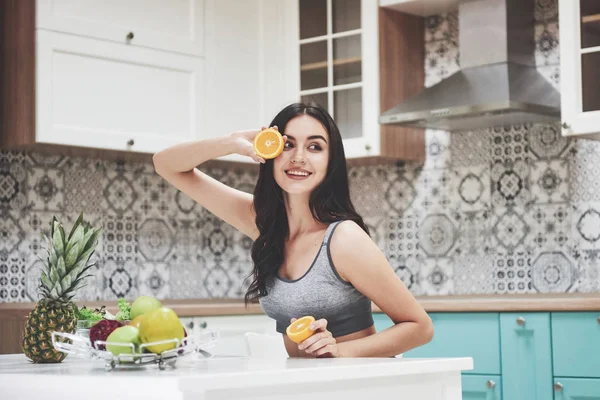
124 334
143 304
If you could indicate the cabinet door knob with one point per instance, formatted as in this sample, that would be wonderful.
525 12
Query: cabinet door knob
566 126
368 147
191 325
490 384
203 325
558 387
520 321
130 36
130 142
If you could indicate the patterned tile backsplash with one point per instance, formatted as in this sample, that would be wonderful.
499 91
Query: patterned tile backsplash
512 209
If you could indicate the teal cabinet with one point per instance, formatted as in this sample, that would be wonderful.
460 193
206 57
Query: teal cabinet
475 335
481 387
575 357
526 356
576 389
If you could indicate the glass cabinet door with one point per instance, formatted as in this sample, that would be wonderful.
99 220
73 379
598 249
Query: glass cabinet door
590 54
331 60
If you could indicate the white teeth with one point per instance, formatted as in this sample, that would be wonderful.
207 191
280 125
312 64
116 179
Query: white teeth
298 173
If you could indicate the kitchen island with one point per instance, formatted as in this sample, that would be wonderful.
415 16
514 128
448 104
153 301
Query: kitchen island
195 377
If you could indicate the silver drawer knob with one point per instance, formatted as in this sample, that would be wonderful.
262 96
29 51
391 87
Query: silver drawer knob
368 147
130 142
190 325
490 384
130 36
520 321
203 325
566 126
558 387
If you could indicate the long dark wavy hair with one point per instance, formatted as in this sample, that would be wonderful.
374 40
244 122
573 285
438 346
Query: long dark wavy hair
329 202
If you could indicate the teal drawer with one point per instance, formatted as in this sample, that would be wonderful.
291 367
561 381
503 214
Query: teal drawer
475 335
481 387
576 389
576 344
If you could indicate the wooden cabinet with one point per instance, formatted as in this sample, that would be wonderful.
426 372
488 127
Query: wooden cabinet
165 25
579 22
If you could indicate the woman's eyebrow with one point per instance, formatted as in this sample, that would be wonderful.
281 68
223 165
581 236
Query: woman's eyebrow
309 138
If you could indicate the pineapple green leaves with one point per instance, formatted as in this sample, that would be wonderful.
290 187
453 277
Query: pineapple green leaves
68 258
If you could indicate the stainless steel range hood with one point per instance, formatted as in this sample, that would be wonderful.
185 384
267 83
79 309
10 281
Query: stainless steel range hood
498 83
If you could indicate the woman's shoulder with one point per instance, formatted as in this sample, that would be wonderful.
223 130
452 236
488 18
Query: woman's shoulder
348 233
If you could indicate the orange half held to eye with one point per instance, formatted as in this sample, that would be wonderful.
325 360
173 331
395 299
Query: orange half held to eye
298 330
268 143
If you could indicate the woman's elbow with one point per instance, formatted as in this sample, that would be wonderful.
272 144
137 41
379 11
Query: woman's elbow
428 330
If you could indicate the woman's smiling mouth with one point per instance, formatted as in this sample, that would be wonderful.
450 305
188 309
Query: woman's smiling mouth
297 174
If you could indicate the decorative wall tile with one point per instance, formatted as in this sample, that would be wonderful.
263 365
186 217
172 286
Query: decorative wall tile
584 168
120 278
12 277
437 235
553 272
474 233
120 237
83 181
546 10
400 192
473 187
186 279
11 233
546 141
217 281
441 61
510 143
402 236
550 227
408 270
588 280
437 276
473 274
153 196
436 190
470 148
549 181
437 148
546 44
13 181
509 230
238 270
442 27
510 184
155 239
154 278
367 188
46 188
586 225
513 273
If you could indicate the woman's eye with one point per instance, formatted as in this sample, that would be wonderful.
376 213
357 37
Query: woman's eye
314 146
287 145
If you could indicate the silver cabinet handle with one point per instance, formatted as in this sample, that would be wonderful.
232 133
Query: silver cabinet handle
130 36
490 384
203 325
191 325
558 387
368 147
566 126
130 142
520 321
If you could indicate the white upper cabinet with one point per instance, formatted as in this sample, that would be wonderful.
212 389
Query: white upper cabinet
579 22
339 67
99 94
174 26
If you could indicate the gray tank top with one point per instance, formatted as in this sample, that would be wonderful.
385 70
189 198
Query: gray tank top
320 292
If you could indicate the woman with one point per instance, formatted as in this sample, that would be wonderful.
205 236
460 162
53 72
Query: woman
312 252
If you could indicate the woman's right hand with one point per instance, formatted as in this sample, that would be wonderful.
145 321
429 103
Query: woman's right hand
244 143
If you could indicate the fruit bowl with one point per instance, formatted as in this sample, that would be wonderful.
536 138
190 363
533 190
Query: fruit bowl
81 347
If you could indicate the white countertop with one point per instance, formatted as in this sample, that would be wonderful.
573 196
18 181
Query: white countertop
74 376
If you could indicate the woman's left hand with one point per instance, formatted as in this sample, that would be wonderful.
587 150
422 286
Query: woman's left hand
321 343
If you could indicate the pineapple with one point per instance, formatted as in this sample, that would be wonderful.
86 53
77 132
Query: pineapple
64 274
